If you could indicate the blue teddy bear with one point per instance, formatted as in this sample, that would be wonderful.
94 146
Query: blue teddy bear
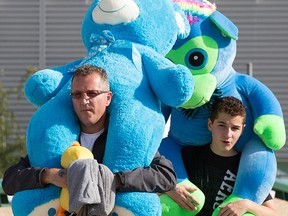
209 52
129 39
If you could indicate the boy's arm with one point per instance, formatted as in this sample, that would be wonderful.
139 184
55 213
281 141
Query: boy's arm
242 206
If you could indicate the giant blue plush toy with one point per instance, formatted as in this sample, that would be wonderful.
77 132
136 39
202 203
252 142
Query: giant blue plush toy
129 39
209 52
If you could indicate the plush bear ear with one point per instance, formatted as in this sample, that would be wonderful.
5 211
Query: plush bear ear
182 22
225 25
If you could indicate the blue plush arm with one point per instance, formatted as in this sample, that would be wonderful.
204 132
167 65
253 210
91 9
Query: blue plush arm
172 84
44 84
269 124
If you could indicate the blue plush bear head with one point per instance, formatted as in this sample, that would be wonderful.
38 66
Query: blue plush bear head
133 21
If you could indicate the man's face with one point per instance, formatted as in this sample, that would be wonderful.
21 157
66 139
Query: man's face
90 107
226 131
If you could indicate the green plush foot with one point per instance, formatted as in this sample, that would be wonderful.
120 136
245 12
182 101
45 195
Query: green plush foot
171 208
230 199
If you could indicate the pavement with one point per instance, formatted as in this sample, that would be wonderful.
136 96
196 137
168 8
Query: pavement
282 206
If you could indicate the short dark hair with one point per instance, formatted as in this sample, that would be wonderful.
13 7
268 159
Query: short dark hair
229 105
88 69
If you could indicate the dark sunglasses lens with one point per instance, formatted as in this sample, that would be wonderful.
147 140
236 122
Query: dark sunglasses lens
89 94
76 95
92 94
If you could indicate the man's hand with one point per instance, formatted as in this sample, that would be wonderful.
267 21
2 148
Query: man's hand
181 195
54 176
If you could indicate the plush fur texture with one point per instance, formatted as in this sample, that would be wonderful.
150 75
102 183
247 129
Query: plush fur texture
209 52
130 45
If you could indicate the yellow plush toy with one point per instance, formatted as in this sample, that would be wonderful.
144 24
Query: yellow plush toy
71 154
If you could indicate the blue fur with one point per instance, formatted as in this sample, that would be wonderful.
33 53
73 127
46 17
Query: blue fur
257 169
140 78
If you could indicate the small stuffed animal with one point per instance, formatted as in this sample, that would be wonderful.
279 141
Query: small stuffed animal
87 184
71 154
209 52
129 39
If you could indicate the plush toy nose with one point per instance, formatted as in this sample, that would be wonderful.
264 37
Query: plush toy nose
114 12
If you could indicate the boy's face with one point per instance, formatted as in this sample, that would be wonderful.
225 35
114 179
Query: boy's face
226 131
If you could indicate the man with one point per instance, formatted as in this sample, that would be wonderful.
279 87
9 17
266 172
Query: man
91 96
216 164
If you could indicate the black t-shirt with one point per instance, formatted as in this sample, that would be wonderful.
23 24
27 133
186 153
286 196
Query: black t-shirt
213 174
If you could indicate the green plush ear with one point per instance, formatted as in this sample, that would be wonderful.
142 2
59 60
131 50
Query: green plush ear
271 129
171 208
231 198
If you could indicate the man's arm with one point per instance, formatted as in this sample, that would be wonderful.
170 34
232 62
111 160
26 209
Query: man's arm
158 177
22 176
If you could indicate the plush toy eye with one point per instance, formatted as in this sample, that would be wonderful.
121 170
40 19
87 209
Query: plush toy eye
196 59
199 54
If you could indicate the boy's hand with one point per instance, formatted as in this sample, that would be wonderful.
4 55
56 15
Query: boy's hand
237 208
181 195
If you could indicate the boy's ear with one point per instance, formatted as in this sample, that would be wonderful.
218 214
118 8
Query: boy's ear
209 124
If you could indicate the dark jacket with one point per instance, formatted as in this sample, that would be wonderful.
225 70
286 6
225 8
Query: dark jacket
158 177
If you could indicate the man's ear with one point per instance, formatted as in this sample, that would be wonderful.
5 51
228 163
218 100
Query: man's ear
182 22
109 98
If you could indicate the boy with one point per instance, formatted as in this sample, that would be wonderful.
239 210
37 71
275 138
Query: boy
213 167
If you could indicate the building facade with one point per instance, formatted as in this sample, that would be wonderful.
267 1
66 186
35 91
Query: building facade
47 33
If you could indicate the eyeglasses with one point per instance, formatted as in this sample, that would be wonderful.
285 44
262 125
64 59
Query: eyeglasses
89 94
